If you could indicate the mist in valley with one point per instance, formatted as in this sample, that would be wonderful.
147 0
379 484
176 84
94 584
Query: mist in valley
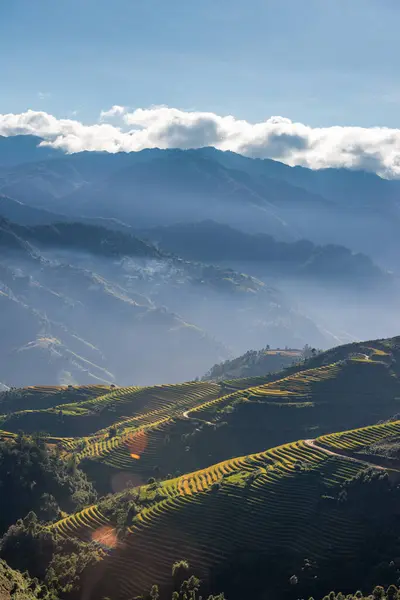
238 254
76 317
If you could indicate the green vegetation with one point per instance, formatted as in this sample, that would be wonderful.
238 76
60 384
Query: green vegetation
378 593
14 584
247 480
59 567
171 429
34 478
298 496
254 364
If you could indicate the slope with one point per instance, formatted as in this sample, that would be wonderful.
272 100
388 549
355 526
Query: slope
255 364
247 507
93 296
134 433
261 254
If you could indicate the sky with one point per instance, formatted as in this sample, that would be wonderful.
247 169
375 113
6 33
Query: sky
318 63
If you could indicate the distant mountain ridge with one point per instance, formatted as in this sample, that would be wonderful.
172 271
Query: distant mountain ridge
18 149
159 187
242 252
218 243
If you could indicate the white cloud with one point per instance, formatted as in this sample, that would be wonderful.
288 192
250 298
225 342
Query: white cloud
376 149
44 95
114 111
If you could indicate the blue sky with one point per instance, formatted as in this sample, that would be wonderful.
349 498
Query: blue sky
320 62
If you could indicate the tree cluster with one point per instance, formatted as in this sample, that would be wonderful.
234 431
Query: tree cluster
34 478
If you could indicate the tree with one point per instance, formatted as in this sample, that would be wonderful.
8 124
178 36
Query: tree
61 564
180 570
112 432
32 478
378 592
154 593
392 592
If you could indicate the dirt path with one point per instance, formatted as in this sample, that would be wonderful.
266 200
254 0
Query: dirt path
312 443
185 415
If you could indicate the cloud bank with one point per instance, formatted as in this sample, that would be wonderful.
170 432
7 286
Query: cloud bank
375 149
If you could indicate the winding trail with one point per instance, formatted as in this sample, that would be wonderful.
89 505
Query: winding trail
185 415
312 443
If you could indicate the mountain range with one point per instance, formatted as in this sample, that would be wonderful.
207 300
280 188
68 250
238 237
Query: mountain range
185 259
160 187
82 303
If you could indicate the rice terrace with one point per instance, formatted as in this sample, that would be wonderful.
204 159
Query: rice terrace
210 472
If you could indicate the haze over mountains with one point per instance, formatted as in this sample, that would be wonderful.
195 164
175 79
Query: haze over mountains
264 196
240 253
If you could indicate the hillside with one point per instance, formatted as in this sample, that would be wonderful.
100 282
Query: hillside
255 364
263 255
84 303
48 333
299 502
141 431
281 469
336 288
16 585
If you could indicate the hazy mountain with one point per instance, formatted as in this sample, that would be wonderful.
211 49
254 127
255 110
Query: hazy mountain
83 302
209 241
341 290
23 214
158 187
18 149
292 228
18 212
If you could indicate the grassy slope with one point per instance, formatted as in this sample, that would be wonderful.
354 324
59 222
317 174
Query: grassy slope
233 498
253 364
158 430
258 503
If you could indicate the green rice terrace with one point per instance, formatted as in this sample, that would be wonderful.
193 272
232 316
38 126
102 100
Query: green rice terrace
227 474
168 430
287 496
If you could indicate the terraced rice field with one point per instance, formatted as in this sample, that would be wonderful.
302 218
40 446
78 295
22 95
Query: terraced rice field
254 503
120 407
82 524
122 450
144 419
295 388
357 439
38 397
139 416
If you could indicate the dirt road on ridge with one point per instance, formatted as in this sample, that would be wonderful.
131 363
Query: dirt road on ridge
312 443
